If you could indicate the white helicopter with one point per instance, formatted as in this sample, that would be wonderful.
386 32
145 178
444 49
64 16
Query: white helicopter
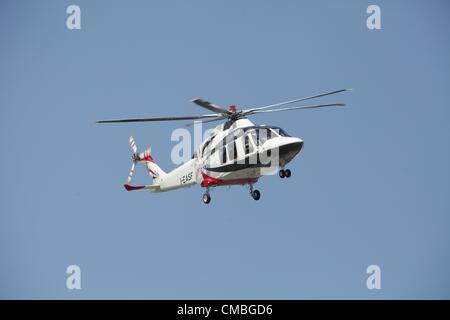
237 152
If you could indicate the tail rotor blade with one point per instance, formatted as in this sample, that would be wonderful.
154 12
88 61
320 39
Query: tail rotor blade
130 176
133 144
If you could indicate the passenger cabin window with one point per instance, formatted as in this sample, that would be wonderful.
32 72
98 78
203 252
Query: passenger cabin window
231 148
253 136
263 135
248 145
224 155
205 145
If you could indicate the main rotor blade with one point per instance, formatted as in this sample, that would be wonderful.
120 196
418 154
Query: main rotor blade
296 100
210 106
205 121
206 116
299 108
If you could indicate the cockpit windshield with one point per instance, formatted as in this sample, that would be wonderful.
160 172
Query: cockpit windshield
264 133
279 131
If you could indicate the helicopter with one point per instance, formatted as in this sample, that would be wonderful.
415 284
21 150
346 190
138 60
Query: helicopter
237 152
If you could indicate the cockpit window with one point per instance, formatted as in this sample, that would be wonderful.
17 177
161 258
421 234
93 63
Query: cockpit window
280 131
283 133
259 135
274 131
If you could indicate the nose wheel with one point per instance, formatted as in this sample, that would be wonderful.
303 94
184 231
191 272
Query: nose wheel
284 173
256 195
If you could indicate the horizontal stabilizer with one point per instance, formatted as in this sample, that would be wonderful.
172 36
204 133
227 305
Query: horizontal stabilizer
148 187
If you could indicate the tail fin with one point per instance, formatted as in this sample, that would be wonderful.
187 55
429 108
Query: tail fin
153 169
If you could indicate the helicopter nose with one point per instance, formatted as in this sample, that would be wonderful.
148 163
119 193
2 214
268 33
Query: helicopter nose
290 148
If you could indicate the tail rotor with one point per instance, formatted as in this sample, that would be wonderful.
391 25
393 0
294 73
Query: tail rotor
145 157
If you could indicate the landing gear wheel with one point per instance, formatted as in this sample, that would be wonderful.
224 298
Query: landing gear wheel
206 198
256 194
287 173
282 173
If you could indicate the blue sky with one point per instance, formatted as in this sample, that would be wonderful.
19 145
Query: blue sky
371 185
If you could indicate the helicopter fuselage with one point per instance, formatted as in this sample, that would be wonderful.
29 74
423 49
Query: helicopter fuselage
235 154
